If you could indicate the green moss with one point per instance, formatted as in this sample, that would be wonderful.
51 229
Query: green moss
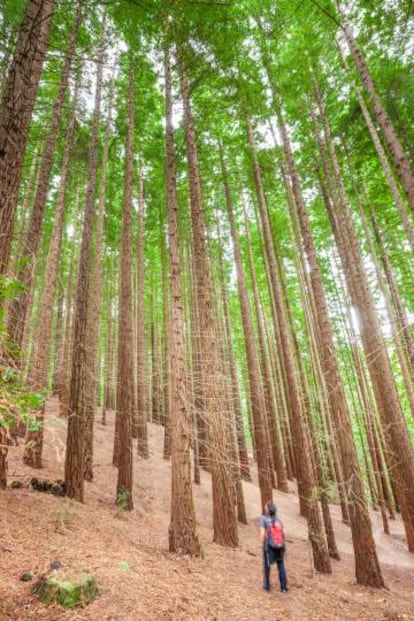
67 591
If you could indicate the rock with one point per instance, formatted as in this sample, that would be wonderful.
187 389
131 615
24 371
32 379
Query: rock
58 488
67 589
16 485
27 576
56 565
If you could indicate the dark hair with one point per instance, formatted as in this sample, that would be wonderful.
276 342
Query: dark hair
271 509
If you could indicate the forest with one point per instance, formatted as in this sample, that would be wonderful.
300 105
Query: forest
206 302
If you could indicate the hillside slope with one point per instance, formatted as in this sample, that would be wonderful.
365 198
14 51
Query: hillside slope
139 579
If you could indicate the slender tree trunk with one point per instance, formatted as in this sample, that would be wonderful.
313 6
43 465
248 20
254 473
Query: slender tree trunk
305 473
224 515
18 98
94 312
18 314
389 175
276 443
258 405
59 337
74 464
141 337
38 374
398 156
182 529
366 561
67 340
234 406
125 381
399 450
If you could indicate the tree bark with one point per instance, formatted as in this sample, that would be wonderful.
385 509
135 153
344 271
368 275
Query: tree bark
398 156
399 450
305 475
125 381
182 530
367 568
224 515
74 464
16 110
18 314
142 432
38 374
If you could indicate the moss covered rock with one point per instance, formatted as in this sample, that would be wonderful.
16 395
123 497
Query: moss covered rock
67 589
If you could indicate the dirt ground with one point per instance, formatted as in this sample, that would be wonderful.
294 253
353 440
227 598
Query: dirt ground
139 579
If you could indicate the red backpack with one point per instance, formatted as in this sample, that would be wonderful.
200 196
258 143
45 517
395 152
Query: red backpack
275 535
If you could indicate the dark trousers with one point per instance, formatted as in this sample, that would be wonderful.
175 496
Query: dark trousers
270 557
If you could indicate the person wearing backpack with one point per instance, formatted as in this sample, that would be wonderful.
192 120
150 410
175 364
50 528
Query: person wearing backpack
272 536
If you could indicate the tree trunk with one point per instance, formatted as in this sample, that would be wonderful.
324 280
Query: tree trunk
38 373
367 568
305 475
182 529
399 450
274 435
125 381
399 158
18 313
257 401
74 464
67 340
94 312
16 109
224 515
141 337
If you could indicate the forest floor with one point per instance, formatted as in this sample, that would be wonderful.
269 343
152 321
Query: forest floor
139 579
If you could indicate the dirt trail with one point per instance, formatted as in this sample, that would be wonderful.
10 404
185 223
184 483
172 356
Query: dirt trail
139 579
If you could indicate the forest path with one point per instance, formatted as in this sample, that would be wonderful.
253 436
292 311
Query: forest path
139 579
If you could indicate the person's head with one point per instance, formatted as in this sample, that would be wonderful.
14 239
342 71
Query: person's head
270 508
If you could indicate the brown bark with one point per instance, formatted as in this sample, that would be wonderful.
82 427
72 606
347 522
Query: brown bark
367 568
142 432
305 475
399 449
4 449
18 314
67 341
38 373
274 434
398 156
74 464
16 109
58 339
258 406
224 515
125 380
234 405
94 312
109 363
182 528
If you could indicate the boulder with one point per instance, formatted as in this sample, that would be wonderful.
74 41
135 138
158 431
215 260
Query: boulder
66 588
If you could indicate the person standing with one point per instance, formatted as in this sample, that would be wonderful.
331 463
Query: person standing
272 536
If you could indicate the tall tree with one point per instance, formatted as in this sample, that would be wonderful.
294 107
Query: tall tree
18 98
125 381
224 514
182 529
74 463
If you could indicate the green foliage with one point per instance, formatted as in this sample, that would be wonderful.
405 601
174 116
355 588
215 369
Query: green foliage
122 500
124 566
67 589
64 513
